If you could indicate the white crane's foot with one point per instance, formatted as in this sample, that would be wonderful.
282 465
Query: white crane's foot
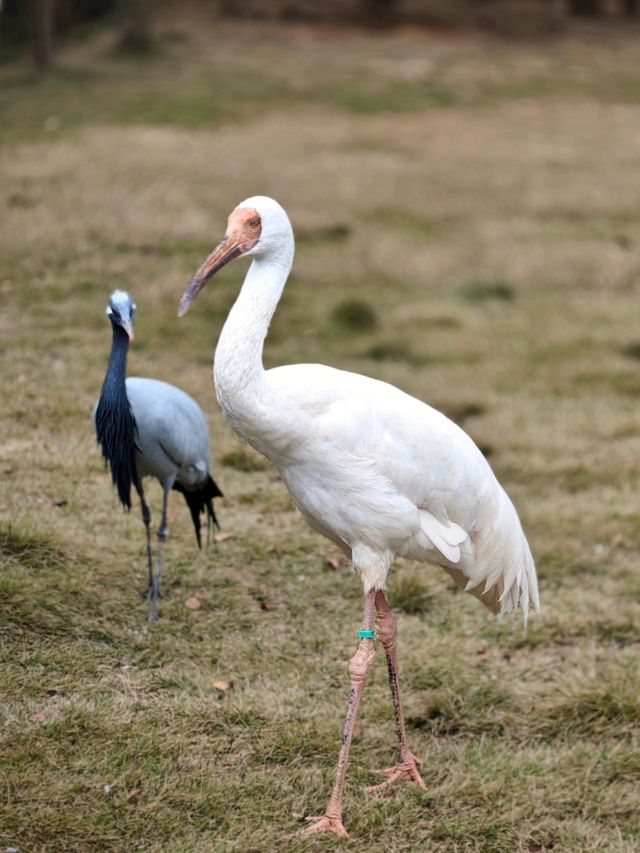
407 770
324 823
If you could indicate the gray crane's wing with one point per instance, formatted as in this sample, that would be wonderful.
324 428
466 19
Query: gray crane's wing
172 432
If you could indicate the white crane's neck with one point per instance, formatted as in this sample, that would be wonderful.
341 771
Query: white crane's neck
238 370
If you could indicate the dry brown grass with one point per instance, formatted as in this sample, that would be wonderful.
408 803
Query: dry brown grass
430 216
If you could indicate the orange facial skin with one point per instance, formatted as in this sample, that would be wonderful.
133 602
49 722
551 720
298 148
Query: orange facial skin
244 228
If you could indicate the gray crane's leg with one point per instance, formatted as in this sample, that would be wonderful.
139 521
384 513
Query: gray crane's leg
407 765
146 518
163 535
331 820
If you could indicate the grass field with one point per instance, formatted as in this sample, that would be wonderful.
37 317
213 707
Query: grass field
468 228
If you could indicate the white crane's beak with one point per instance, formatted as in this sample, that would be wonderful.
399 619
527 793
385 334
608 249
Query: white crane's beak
243 232
228 249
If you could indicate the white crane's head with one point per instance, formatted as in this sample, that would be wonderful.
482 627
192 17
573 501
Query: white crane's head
121 310
258 226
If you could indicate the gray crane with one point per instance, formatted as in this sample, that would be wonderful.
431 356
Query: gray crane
148 428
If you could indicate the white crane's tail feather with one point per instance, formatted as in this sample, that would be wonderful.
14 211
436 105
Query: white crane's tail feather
501 572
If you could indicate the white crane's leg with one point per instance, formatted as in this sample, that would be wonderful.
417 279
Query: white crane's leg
331 820
146 518
163 535
407 765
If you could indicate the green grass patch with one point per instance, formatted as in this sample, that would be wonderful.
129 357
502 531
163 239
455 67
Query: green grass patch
487 291
411 594
394 351
243 459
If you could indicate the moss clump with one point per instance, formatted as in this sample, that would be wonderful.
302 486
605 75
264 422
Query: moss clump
487 291
353 316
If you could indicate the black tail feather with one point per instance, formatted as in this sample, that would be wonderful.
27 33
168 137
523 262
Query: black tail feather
200 500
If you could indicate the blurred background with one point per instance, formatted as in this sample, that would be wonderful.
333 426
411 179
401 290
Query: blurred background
462 178
43 23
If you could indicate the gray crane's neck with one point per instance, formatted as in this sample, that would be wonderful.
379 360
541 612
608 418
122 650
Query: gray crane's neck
238 370
114 381
114 421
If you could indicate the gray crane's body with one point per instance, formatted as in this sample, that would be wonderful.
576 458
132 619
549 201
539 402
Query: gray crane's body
172 438
148 428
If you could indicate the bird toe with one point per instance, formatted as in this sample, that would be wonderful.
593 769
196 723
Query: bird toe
324 823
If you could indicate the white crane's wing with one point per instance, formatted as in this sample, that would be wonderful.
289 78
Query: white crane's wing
423 455
446 495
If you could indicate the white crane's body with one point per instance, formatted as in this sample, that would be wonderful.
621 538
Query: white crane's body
375 470
402 480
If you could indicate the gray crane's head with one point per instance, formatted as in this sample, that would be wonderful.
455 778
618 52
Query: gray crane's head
121 310
258 226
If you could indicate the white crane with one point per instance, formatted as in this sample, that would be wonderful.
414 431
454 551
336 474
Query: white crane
148 428
378 472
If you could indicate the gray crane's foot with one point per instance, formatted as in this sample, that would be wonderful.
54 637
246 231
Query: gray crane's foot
147 592
154 597
153 611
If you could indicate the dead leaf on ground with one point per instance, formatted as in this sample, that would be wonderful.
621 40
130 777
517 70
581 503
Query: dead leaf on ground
223 537
37 718
537 847
193 603
134 794
619 541
223 686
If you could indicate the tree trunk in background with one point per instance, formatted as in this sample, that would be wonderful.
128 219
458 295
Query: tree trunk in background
630 8
378 12
585 8
135 26
42 15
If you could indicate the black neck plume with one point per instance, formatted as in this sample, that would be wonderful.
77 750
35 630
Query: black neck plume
114 421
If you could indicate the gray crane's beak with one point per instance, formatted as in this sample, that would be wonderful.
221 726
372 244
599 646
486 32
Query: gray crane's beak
224 252
128 327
